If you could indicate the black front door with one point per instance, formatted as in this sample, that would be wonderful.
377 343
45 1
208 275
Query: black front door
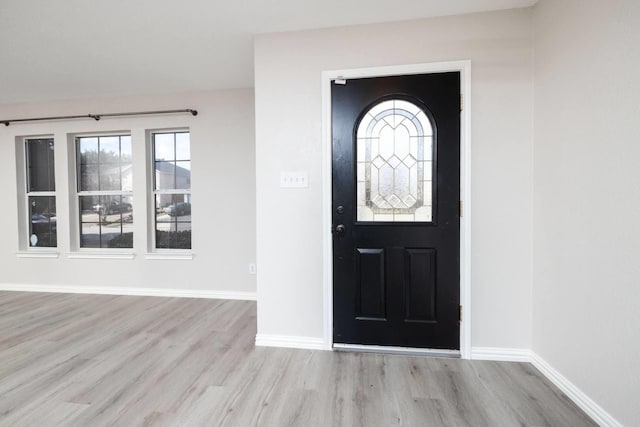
396 226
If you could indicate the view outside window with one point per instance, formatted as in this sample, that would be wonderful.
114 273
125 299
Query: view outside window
41 192
105 189
172 190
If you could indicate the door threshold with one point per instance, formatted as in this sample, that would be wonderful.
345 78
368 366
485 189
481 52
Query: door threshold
405 351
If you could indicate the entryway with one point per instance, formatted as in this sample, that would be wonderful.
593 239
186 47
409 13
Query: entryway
395 211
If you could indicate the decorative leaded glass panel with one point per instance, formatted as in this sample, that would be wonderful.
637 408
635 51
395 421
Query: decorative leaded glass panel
394 153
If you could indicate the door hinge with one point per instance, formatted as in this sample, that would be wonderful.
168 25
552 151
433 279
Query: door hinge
460 208
460 313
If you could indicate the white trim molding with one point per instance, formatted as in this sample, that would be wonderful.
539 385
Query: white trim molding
148 292
501 354
464 67
101 255
287 341
588 405
38 254
165 256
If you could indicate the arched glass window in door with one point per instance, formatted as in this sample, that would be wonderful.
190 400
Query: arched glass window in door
394 163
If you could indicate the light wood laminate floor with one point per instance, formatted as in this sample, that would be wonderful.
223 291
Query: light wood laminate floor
92 360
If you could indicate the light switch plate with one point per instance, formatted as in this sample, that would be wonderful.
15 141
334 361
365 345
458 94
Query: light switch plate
294 179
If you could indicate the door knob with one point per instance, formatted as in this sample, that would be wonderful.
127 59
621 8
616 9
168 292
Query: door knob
340 229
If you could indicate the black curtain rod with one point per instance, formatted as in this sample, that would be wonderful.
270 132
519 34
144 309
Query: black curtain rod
99 116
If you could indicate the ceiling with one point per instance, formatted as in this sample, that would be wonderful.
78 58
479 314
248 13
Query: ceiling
85 48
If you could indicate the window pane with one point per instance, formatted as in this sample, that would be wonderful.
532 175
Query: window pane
40 165
127 177
89 207
183 149
394 152
125 148
88 150
183 175
126 165
110 177
172 175
109 149
173 221
174 239
164 146
173 207
165 175
105 163
172 165
42 223
106 221
89 180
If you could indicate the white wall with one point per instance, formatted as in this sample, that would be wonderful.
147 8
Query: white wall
288 131
223 191
586 305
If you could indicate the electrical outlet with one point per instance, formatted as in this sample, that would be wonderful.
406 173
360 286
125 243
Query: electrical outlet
252 268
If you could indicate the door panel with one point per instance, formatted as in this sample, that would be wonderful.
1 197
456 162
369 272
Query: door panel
396 189
371 279
370 301
420 285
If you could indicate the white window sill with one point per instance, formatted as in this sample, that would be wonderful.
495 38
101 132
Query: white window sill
169 256
38 254
101 255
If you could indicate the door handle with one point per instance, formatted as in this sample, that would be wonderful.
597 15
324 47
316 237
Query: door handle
340 230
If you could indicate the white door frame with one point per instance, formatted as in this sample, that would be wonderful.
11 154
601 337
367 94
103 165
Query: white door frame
464 67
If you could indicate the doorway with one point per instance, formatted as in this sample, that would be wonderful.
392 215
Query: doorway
398 274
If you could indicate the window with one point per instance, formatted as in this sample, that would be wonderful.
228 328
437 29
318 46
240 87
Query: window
172 189
395 163
41 187
105 191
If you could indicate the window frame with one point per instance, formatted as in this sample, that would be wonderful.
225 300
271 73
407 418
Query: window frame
26 194
154 251
75 186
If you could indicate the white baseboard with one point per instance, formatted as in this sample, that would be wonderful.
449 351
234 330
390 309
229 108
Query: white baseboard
595 411
501 354
150 292
287 341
